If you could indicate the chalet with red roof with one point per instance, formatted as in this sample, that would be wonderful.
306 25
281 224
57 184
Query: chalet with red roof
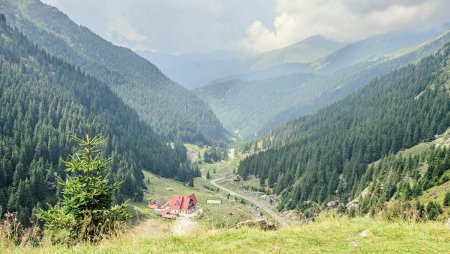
180 204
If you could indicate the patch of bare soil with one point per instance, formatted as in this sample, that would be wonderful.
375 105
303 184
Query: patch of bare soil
183 226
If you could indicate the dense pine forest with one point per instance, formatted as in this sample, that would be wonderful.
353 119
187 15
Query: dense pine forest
404 178
323 157
43 101
170 109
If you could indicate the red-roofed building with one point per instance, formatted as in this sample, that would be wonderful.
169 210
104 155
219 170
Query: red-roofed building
166 214
183 204
158 204
152 206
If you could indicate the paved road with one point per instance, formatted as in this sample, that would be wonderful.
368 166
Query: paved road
275 215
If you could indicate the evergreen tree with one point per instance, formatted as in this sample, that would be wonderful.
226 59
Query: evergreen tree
86 210
447 199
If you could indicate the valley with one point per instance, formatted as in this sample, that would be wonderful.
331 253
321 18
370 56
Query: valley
224 126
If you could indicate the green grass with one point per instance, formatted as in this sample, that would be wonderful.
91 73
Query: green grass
436 194
329 235
215 216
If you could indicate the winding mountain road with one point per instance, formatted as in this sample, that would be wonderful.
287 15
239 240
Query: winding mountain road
272 213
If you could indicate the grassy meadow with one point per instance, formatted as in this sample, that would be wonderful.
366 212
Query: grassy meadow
327 235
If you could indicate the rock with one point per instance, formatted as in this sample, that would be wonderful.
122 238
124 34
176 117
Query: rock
364 234
353 244
333 204
259 223
448 223
351 205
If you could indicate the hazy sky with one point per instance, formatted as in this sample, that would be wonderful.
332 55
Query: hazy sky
190 26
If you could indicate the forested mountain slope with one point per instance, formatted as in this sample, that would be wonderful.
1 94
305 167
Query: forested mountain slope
323 156
420 173
168 107
43 101
305 51
257 106
375 47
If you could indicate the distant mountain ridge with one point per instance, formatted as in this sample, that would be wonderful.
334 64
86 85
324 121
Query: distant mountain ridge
305 51
172 110
197 70
246 109
375 47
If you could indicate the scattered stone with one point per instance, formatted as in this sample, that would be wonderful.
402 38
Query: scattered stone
333 204
351 205
353 244
259 223
364 234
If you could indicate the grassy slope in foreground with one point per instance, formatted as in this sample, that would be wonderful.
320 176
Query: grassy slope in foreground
336 235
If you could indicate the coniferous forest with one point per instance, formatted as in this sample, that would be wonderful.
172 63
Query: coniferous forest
337 134
323 157
43 102
170 109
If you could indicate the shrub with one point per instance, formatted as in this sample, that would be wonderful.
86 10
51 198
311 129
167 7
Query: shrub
433 210
447 199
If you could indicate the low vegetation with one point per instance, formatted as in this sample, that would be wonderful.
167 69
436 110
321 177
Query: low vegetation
331 234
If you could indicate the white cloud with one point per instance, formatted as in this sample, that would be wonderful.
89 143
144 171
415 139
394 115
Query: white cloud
120 27
342 20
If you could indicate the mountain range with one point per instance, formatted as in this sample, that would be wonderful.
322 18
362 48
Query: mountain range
251 104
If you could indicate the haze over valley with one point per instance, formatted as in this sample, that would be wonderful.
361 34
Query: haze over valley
217 126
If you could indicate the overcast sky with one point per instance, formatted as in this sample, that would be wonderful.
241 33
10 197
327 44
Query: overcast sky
193 26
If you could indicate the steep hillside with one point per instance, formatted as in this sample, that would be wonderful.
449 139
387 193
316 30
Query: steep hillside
43 101
375 48
323 156
197 70
244 104
169 108
305 51
420 174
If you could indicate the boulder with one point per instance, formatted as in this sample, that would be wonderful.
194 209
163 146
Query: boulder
353 244
333 204
364 234
259 223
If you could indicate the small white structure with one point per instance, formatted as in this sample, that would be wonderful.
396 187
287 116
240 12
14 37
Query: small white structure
214 201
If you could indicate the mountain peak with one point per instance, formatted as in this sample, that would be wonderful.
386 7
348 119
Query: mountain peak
305 51
316 38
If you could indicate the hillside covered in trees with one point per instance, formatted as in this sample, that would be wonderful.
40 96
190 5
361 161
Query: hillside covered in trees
323 157
43 101
170 109
252 105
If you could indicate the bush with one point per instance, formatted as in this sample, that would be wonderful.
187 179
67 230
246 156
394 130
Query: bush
433 210
447 199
